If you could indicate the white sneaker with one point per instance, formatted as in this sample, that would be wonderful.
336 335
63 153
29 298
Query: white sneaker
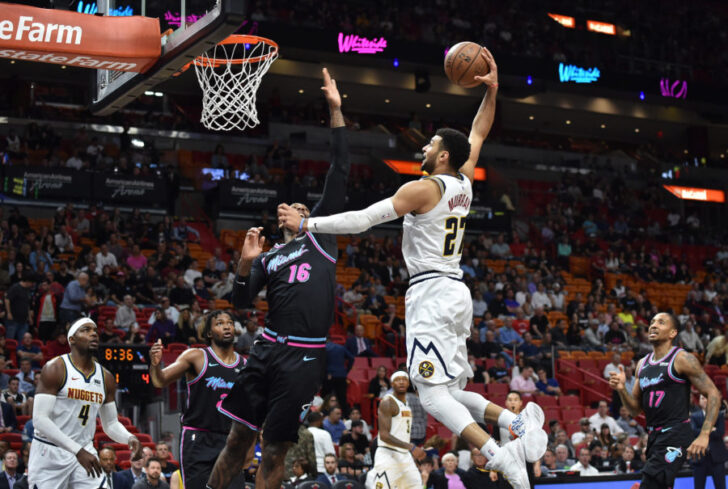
528 426
511 462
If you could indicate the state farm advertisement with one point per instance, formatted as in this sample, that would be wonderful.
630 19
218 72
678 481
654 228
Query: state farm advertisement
76 39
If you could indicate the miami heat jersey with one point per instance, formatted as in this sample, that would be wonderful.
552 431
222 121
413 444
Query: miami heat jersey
78 402
401 425
208 389
665 396
433 241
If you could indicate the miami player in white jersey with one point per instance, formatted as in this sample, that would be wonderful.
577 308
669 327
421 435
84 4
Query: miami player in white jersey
73 389
394 465
438 305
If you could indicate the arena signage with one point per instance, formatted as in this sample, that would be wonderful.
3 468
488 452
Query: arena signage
564 20
241 196
361 45
92 8
174 18
415 168
46 183
601 27
693 193
111 187
573 73
674 89
75 39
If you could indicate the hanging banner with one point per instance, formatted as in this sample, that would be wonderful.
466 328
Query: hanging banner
76 39
114 188
46 183
241 196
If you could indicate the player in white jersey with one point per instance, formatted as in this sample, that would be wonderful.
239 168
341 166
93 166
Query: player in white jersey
438 305
73 389
394 465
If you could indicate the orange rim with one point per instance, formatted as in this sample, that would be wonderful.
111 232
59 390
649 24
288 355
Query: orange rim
234 39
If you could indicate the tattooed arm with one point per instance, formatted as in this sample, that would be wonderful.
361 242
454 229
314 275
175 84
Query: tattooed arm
687 366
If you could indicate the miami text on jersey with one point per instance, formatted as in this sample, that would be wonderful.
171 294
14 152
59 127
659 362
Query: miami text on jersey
216 383
647 381
279 260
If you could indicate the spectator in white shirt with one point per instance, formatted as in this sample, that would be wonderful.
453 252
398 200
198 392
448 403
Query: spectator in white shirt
63 241
126 314
192 273
322 441
557 297
602 417
74 161
355 415
689 338
579 436
104 258
170 311
540 299
582 466
612 367
500 248
479 305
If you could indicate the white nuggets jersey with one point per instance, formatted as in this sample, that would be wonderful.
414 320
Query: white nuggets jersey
78 403
433 241
401 425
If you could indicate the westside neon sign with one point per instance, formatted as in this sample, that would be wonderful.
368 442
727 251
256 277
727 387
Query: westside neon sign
92 9
675 89
573 73
361 45
174 18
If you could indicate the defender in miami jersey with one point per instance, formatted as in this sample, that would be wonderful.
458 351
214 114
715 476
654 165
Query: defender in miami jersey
286 366
210 374
662 392
73 389
438 305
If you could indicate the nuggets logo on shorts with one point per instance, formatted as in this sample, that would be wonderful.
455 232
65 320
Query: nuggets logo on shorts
426 369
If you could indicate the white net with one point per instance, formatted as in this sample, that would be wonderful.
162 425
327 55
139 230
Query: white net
229 76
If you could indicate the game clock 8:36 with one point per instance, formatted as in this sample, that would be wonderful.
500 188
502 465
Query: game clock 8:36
130 367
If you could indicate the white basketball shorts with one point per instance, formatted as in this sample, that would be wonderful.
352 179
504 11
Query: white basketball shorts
393 470
51 467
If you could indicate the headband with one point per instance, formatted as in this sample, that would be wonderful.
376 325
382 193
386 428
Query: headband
397 374
75 327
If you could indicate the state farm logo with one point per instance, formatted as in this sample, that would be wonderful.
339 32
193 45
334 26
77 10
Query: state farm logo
30 31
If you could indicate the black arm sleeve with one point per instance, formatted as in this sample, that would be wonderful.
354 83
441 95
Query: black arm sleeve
334 195
246 288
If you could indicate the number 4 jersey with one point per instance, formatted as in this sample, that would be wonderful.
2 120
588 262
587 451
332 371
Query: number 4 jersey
433 241
78 402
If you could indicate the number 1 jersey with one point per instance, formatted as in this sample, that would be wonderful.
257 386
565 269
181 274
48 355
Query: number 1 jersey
433 241
78 402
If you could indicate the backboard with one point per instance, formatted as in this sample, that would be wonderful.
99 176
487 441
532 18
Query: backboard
196 26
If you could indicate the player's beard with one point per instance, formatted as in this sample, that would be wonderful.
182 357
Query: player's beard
428 165
223 342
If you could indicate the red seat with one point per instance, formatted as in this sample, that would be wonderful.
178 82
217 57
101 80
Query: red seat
122 455
361 362
552 413
177 346
571 415
125 464
587 363
495 389
143 437
11 437
478 388
572 427
544 401
444 432
569 401
388 363
125 421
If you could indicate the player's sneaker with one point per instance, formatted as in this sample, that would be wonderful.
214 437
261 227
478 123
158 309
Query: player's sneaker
528 426
510 461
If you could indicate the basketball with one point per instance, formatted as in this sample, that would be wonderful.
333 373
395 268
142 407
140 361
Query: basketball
463 63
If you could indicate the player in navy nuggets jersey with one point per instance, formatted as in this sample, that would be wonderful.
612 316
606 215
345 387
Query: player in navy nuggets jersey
662 392
210 373
285 367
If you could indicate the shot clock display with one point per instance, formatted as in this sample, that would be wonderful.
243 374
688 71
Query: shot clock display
130 366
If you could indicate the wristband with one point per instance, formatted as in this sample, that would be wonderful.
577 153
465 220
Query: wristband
495 85
412 450
300 226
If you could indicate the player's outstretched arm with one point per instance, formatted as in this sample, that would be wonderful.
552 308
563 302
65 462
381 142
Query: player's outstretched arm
333 198
617 382
484 118
411 197
387 409
51 381
110 419
688 366
250 274
185 362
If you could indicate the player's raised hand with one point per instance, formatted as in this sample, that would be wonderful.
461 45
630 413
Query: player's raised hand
617 379
330 91
155 353
253 244
136 448
89 462
289 218
491 78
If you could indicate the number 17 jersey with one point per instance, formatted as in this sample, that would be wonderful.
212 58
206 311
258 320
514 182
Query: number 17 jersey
433 241
665 395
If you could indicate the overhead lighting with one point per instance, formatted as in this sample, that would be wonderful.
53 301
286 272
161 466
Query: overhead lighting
530 118
642 95
636 129
428 105
568 122
149 93
395 62
386 100
346 95
529 80
722 155
300 90
12 61
137 143
158 94
63 67
685 151
603 126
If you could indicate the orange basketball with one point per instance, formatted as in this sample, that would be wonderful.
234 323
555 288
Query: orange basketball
464 62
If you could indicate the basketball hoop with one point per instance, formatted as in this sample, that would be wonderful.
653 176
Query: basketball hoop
229 76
